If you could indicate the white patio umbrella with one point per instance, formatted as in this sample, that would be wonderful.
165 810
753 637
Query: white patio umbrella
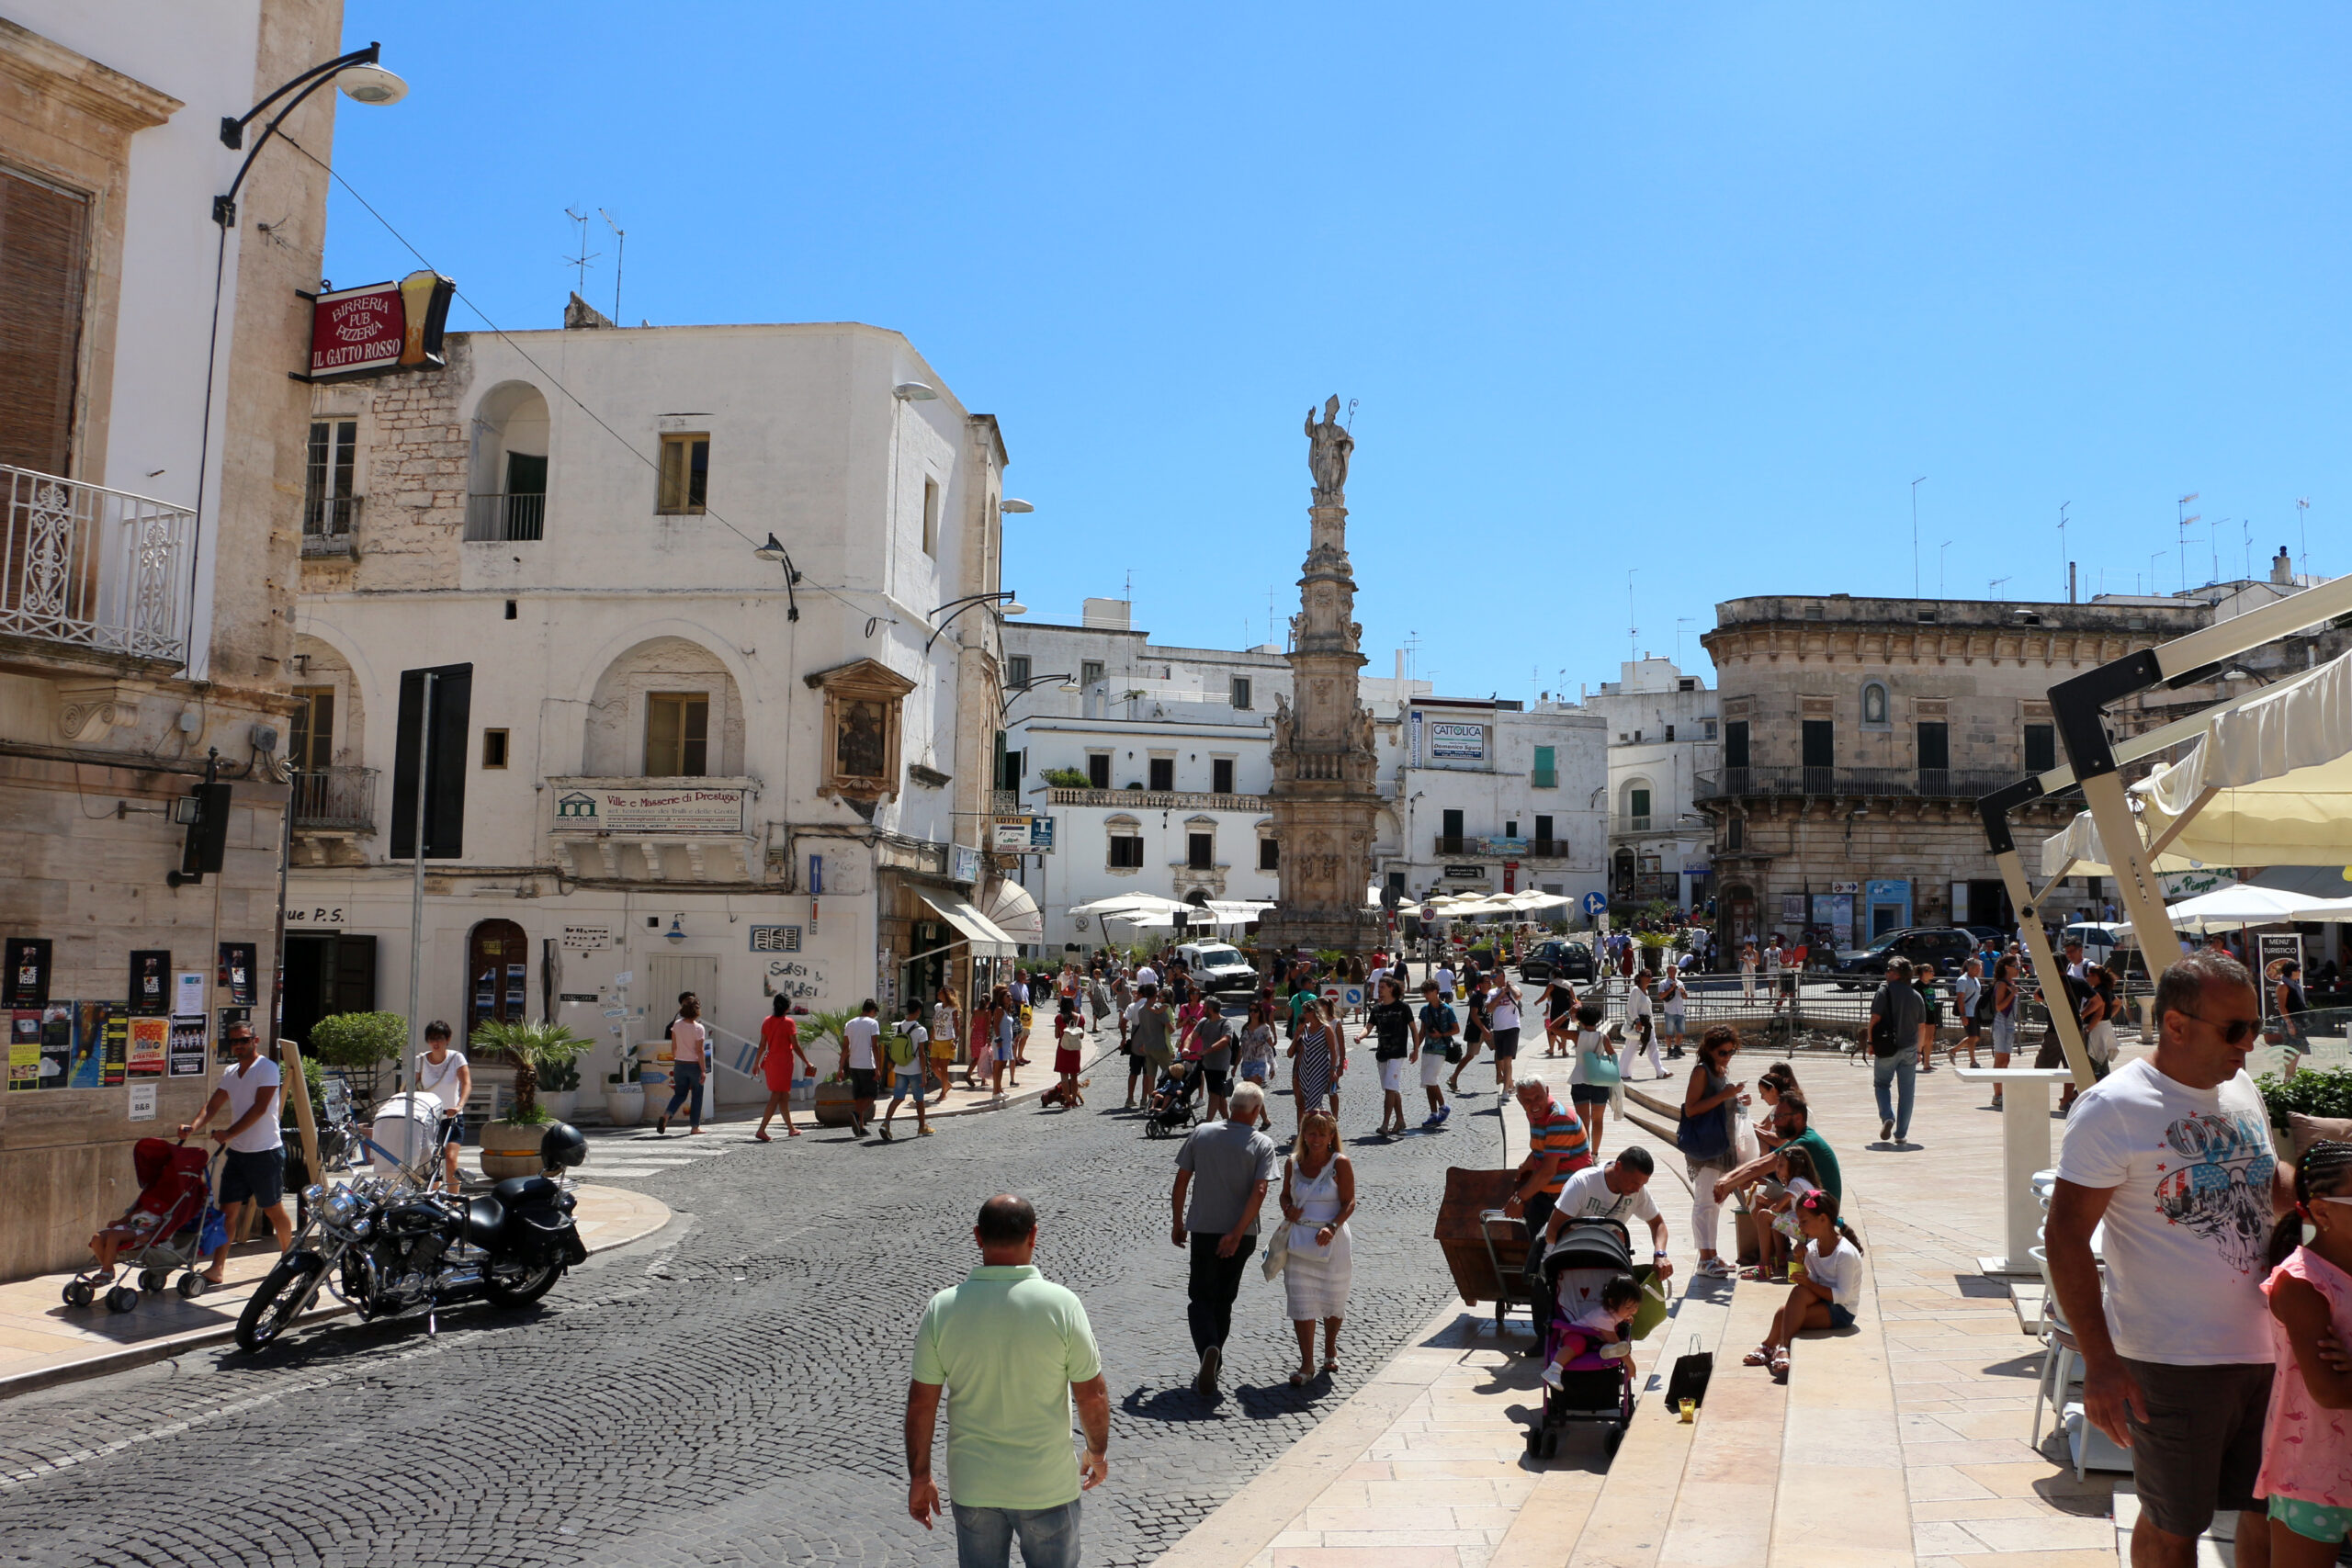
2247 905
1146 902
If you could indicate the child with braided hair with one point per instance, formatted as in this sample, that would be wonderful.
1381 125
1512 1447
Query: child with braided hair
2307 1439
1822 1292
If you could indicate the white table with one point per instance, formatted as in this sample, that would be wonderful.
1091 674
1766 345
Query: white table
2025 1152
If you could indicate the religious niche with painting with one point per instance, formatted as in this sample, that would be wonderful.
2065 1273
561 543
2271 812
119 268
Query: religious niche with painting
862 746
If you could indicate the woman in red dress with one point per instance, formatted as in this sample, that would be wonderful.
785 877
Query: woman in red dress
1070 1033
779 1048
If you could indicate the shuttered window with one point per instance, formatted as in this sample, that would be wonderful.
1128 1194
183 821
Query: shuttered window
43 255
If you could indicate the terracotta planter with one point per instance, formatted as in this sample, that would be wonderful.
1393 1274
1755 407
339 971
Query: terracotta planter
510 1149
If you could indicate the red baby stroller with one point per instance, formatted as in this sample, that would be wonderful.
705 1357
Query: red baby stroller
172 1224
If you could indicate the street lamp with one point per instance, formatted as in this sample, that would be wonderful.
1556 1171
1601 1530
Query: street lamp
1021 689
1015 507
362 81
915 392
774 550
1003 597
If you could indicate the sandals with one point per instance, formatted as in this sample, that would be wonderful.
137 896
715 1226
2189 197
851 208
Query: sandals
1781 1366
1298 1379
1759 1356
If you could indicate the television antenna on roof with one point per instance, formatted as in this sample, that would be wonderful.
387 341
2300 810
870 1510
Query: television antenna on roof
2302 534
1994 587
620 249
580 263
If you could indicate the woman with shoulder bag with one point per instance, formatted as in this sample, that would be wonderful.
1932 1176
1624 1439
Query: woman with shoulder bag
1706 1138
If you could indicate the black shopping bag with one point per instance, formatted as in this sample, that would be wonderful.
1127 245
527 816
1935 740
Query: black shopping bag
1692 1370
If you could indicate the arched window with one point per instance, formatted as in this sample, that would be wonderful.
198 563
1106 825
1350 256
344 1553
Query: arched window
1875 706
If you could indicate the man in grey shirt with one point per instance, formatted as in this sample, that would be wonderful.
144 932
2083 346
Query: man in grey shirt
1897 1014
1226 1167
1214 1040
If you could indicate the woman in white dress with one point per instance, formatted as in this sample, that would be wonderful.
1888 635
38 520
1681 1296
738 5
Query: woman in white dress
1318 1194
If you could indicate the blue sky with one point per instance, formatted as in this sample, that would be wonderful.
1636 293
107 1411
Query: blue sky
1690 292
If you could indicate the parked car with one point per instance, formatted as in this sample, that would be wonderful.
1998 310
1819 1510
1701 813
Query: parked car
1217 966
1944 948
1572 961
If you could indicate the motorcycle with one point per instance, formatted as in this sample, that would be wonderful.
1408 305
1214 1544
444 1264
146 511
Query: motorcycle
386 1243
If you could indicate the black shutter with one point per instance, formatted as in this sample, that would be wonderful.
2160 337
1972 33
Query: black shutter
355 973
1935 746
1736 743
444 804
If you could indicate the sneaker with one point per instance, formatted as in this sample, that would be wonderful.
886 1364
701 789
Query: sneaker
661 1127
1552 1375
922 1131
1443 1113
1433 1118
1886 1129
1205 1380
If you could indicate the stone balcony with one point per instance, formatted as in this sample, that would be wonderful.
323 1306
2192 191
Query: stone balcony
1156 800
672 830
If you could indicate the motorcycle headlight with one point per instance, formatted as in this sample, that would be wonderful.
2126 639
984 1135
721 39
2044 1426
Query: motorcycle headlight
313 1195
340 1206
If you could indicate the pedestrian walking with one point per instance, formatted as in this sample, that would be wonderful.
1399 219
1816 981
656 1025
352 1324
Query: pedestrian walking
1772 960
1434 1048
1018 1353
1973 998
860 1064
1893 1036
908 1051
1392 1020
779 1050
2288 1006
1642 1019
1747 962
1069 1029
2307 1442
1023 1002
2004 1016
1318 1197
1671 993
1318 1054
1151 1032
1503 1020
1474 1028
981 1063
1932 1014
689 1044
1006 1059
944 1011
1259 1041
1222 1174
1559 1016
1212 1042
443 1073
252 1173
1594 1077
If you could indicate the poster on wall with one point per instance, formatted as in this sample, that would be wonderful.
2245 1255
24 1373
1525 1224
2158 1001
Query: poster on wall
24 1049
115 1068
186 1047
147 1043
56 1044
187 991
151 980
27 978
1457 742
90 1043
236 978
143 1098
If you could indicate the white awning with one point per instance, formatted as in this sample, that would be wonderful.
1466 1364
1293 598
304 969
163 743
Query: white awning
1012 912
986 939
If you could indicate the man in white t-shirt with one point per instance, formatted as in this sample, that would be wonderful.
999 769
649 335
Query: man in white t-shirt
1445 984
1147 976
254 1162
1618 1191
907 1050
2172 1153
860 1037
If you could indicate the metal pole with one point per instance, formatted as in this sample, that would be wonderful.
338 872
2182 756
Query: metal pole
416 896
2047 969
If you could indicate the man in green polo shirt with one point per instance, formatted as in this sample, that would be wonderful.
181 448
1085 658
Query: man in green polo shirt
1015 1350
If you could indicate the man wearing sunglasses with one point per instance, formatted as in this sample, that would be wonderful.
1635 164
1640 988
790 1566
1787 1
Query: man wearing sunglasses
2172 1153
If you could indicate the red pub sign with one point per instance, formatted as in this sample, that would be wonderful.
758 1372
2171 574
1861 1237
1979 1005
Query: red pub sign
381 327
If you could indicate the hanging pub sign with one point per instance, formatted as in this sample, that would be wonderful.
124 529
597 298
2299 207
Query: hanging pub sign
27 980
150 981
237 959
384 326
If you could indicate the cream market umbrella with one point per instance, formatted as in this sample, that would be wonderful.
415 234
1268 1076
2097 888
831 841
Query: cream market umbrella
2246 904
1130 902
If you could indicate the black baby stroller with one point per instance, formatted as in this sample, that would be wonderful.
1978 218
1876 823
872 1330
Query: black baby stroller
1593 1388
1174 1106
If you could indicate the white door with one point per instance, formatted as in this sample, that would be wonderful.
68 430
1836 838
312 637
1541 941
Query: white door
666 977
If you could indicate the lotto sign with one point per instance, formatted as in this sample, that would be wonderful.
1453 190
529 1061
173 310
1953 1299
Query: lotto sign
776 938
1012 835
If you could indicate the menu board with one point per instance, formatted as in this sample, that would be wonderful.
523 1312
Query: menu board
149 1042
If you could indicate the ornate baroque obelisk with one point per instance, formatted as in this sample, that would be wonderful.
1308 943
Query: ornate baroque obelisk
1326 793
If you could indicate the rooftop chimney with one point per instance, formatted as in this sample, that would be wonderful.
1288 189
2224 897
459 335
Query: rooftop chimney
1106 614
2282 570
579 314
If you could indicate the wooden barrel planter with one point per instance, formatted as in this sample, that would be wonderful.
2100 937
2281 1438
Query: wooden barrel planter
833 1107
509 1148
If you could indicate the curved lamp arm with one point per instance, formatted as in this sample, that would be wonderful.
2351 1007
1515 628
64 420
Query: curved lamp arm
232 131
1004 595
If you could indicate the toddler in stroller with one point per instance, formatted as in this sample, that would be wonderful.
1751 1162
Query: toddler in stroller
1174 1104
171 1224
1589 1375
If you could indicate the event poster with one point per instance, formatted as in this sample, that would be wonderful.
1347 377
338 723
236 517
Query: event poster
220 1036
90 1024
237 961
188 1047
149 1040
25 979
151 980
56 1044
115 1068
24 1049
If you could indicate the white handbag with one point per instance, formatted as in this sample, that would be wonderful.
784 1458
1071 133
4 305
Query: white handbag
1277 1251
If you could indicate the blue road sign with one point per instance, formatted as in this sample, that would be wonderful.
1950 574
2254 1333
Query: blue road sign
1595 904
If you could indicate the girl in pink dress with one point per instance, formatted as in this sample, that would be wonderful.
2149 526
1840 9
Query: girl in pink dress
2307 1442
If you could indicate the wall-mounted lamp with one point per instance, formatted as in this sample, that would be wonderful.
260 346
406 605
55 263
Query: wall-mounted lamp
677 933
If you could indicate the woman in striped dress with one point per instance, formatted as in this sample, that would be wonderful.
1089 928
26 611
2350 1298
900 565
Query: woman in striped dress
1315 1054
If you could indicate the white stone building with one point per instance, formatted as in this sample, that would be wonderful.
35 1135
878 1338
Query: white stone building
151 454
1494 797
1663 732
650 756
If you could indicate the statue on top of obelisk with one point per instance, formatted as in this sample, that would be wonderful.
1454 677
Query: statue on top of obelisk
1327 448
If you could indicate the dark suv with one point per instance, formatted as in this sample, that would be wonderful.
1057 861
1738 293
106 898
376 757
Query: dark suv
1942 949
1570 960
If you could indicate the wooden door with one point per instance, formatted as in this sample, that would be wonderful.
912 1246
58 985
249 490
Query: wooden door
498 961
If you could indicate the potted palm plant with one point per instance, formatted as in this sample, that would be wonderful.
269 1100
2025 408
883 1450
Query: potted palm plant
832 1106
510 1145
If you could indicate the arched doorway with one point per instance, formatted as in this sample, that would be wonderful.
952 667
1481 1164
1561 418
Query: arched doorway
497 975
1623 864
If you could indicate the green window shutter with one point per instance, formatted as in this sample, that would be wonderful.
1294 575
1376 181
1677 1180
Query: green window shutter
1546 775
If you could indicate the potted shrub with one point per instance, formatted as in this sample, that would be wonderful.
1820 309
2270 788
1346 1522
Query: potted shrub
510 1145
358 1044
832 1105
624 1095
559 1088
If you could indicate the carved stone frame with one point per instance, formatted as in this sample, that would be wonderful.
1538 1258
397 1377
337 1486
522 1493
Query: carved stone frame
847 688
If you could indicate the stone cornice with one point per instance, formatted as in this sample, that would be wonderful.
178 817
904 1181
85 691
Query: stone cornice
1865 646
53 70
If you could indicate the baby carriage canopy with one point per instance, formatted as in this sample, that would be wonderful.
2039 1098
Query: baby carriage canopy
152 1159
1591 1244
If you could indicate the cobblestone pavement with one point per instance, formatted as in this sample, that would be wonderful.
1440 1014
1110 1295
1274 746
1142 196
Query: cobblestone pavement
731 1391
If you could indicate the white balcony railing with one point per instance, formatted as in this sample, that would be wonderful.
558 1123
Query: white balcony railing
93 567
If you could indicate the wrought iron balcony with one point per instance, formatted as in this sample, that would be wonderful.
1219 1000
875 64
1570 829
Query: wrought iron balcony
93 568
1931 784
335 799
1154 799
505 517
329 523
